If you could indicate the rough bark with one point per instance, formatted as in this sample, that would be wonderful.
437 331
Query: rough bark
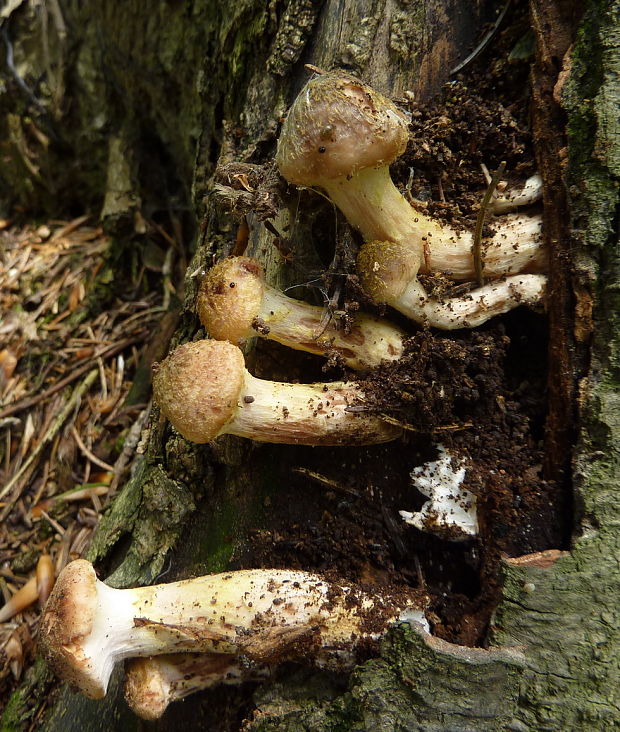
149 107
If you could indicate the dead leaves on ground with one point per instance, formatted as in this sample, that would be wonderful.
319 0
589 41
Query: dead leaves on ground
64 379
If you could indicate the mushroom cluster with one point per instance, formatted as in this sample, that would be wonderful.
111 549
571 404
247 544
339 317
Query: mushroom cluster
339 136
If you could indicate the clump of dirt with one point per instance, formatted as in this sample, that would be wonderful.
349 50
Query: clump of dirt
450 141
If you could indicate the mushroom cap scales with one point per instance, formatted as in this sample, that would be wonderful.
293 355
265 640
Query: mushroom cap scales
198 387
230 296
336 127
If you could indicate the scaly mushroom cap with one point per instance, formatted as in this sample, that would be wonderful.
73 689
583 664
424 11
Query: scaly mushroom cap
197 387
145 689
336 127
68 618
229 298
385 269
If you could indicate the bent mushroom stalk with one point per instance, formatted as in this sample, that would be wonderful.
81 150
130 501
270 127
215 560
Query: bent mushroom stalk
204 389
264 615
340 135
155 682
235 303
388 273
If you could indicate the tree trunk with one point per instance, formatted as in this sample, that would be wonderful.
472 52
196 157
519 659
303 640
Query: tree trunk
139 106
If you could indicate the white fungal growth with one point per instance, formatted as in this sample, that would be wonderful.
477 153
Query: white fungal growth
450 511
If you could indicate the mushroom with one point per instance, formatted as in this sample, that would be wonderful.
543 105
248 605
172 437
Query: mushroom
235 303
265 615
340 135
204 389
388 273
152 683
450 511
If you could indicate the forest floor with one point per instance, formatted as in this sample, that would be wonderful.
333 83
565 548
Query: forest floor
74 394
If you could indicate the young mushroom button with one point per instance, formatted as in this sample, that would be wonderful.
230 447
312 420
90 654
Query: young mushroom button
204 389
154 682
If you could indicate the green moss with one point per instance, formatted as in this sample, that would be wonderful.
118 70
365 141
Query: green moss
24 703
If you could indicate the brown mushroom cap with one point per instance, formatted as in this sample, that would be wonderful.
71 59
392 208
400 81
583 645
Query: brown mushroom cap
145 689
68 618
230 296
336 127
385 269
197 387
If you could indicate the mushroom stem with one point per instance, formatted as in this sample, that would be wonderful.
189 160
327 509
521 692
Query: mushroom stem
530 193
516 246
372 203
235 303
264 615
388 272
204 389
153 683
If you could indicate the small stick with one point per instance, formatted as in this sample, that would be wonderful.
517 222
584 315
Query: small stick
484 43
93 458
427 430
476 246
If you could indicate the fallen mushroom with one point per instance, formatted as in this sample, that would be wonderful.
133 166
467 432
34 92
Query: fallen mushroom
235 303
450 511
340 135
388 273
265 615
204 389
153 683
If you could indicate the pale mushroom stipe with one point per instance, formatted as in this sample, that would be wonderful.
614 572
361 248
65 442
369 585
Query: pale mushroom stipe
340 135
235 303
265 615
204 389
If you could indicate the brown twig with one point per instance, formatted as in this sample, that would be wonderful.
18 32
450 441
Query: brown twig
484 206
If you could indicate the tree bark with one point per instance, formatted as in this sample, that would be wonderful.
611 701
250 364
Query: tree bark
161 95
